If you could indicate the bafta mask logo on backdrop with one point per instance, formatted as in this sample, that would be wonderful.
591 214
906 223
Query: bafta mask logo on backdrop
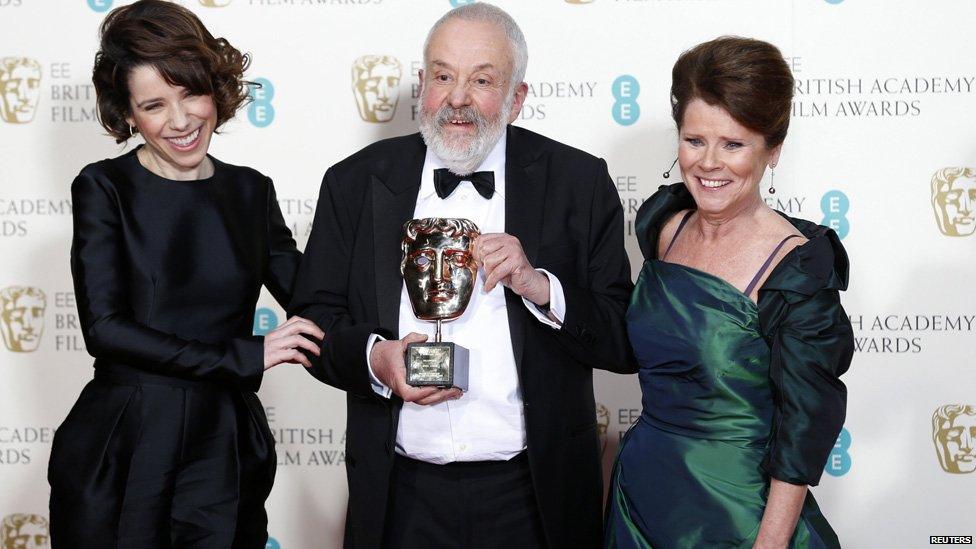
20 82
22 317
835 206
23 531
625 110
954 434
954 200
215 3
376 86
100 6
602 425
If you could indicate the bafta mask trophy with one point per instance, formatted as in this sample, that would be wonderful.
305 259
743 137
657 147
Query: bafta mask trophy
439 270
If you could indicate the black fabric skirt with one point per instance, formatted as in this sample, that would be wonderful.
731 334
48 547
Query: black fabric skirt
148 461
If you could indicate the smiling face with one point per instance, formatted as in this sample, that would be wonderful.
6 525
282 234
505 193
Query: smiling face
722 161
176 125
467 94
438 267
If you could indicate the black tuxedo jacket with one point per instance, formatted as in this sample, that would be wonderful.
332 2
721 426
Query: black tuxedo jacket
563 207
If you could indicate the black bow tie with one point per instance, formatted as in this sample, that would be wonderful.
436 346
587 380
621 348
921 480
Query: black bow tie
446 181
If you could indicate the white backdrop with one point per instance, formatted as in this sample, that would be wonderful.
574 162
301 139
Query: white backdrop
885 101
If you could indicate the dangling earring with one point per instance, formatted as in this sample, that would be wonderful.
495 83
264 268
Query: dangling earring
132 131
772 179
667 174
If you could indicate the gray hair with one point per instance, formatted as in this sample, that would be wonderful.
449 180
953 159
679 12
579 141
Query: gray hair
480 11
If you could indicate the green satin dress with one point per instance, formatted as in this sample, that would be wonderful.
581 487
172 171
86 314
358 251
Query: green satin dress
694 470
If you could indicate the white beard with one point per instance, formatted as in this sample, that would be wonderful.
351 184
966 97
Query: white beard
462 156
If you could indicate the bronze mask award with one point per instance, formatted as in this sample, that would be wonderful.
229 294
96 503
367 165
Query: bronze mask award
439 270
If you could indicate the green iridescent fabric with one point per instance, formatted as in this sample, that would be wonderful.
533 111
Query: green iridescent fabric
733 393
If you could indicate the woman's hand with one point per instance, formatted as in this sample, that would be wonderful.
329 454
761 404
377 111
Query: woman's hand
284 343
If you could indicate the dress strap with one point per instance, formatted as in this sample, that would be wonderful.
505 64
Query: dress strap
677 232
762 270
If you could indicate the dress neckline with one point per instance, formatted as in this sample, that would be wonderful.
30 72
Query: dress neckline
153 175
755 279
728 285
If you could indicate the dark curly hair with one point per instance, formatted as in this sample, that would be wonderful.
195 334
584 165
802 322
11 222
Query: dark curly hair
748 78
171 39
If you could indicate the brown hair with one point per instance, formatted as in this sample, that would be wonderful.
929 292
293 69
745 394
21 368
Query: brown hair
172 39
746 77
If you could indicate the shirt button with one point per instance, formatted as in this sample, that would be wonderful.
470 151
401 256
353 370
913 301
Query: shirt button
462 447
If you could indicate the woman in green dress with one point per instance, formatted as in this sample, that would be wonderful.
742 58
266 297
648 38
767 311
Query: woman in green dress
737 327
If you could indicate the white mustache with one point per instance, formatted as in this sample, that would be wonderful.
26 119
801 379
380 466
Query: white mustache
446 115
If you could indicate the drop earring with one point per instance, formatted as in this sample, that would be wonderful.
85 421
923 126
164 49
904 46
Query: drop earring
772 180
132 131
667 174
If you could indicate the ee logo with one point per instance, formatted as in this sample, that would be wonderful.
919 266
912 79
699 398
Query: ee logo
261 112
265 320
839 462
625 109
456 3
833 1
272 544
99 5
835 206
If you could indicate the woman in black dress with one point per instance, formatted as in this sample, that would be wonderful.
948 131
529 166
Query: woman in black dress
169 446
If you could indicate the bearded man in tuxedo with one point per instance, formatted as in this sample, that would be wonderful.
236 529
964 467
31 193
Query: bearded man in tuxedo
514 461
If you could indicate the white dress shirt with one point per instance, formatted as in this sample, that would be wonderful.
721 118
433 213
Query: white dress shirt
487 422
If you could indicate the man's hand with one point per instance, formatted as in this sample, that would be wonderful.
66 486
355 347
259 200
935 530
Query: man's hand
386 360
502 258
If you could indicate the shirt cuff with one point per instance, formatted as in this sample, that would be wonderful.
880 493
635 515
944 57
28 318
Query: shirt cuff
378 386
557 304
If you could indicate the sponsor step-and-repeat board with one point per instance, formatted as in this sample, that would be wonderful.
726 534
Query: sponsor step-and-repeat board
881 149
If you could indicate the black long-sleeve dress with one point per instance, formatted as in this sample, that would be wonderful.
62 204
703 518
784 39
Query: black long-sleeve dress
168 445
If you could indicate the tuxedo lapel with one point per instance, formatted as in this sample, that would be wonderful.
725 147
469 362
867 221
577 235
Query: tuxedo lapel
394 197
525 191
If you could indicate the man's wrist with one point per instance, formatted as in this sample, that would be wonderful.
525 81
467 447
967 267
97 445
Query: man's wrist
377 384
540 294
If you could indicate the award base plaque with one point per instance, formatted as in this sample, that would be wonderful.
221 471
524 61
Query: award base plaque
437 364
